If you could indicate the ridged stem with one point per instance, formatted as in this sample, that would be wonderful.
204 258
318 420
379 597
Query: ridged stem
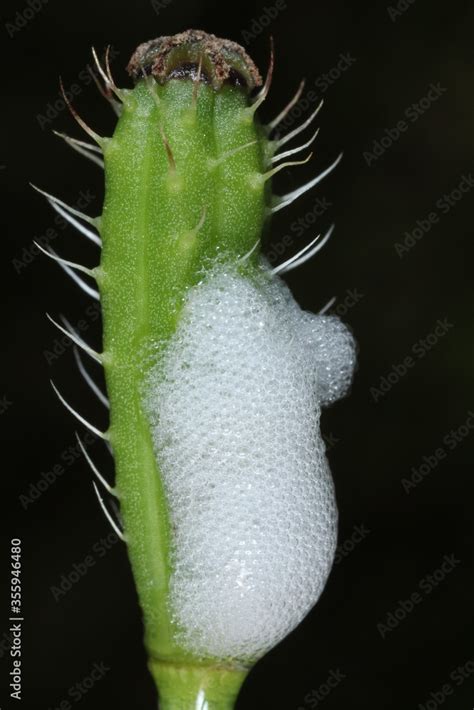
196 687
178 198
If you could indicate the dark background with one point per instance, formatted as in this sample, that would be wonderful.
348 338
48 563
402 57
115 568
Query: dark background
376 440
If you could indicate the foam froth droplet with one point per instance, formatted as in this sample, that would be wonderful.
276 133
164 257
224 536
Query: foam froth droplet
234 403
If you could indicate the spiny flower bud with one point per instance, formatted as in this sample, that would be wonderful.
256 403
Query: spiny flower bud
215 377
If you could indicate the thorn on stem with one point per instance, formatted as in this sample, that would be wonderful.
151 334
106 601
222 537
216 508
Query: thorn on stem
197 84
95 136
169 152
105 93
282 141
276 121
289 164
268 81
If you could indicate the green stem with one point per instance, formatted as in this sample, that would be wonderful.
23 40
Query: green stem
186 187
152 254
196 687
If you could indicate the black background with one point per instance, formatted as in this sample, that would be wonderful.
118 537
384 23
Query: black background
399 299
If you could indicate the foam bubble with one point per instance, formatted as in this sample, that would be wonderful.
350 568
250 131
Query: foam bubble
234 404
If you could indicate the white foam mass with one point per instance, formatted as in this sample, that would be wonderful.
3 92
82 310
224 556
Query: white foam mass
234 403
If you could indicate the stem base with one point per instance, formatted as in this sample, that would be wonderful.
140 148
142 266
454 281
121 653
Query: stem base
196 687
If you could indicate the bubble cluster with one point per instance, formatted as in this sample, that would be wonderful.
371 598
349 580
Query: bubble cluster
234 404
